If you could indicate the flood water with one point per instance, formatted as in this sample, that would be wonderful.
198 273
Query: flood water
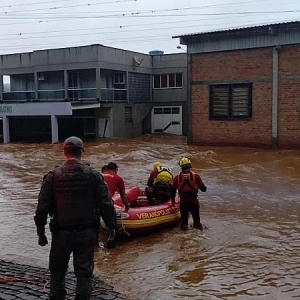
250 249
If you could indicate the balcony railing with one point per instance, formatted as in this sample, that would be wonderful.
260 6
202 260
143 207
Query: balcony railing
51 95
114 95
82 94
19 96
109 95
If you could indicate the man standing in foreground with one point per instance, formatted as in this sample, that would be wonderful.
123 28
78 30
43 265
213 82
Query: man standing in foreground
188 183
72 194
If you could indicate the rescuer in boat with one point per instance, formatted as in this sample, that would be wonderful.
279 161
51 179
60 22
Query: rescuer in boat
72 194
104 169
159 184
115 182
188 183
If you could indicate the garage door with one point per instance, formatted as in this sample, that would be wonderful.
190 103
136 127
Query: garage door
167 119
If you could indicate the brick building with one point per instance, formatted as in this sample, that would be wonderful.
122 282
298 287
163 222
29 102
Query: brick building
245 86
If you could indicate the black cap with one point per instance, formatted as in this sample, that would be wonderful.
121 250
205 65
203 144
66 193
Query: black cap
112 166
73 142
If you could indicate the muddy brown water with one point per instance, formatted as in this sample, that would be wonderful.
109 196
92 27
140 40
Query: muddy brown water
251 208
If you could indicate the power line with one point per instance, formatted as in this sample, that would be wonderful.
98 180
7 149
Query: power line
113 32
69 6
32 3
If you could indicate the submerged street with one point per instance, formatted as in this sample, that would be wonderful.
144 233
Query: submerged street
250 249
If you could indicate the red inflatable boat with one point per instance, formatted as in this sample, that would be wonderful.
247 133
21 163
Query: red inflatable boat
142 218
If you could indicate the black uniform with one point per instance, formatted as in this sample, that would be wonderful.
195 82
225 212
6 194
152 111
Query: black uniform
72 195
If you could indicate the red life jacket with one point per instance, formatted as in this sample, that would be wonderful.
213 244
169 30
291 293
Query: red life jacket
187 185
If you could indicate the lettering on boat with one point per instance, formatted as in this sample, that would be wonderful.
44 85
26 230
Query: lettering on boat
154 214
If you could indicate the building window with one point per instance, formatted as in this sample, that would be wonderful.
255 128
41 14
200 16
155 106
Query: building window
128 114
230 101
119 78
165 81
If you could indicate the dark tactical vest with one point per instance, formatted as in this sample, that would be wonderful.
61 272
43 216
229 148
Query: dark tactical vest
74 194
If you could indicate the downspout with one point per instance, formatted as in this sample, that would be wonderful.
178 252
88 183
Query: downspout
275 82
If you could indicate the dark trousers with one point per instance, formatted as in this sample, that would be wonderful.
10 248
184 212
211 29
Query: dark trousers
81 244
161 192
193 208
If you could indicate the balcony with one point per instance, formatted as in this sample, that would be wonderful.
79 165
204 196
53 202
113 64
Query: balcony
51 95
82 94
114 95
21 96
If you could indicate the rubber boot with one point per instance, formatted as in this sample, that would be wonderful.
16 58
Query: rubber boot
198 225
184 226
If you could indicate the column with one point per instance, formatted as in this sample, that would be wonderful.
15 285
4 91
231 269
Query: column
275 97
66 84
54 129
1 87
6 134
36 86
98 83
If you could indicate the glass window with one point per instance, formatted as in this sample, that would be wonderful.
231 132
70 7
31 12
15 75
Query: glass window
171 80
175 110
158 110
156 84
167 81
179 80
164 81
167 110
128 114
231 101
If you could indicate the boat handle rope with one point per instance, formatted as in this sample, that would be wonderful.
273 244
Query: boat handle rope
122 229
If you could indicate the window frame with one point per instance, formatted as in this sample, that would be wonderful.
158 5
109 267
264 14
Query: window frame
157 80
230 109
128 114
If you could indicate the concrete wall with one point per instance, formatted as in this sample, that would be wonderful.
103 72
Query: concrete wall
232 67
169 64
129 129
84 57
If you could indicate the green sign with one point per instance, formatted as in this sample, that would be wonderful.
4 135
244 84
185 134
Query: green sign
5 109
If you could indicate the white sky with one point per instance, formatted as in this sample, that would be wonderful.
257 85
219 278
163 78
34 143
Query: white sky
137 25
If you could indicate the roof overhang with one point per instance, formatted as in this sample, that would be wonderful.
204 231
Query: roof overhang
85 106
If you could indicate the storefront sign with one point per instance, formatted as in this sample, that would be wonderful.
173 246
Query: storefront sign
5 109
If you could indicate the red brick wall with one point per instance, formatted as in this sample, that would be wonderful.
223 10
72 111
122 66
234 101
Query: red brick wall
289 97
232 67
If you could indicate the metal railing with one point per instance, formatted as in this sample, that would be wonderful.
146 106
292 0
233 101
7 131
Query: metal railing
114 95
19 96
51 95
82 94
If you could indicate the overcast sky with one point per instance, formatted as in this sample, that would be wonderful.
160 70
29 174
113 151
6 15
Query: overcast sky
137 25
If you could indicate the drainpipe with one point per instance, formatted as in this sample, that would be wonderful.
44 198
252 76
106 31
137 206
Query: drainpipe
275 96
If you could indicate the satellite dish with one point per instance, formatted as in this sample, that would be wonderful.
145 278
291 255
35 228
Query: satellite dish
137 61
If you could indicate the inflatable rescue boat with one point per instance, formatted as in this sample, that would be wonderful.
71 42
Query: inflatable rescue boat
141 218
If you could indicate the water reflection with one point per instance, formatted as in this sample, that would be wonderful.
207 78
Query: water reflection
249 251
